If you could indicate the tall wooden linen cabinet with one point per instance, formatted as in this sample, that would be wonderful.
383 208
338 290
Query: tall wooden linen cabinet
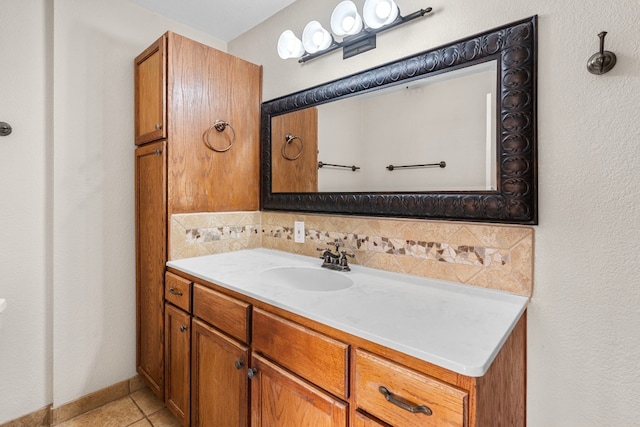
185 163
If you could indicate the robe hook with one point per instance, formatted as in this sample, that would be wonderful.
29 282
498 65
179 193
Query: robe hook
603 61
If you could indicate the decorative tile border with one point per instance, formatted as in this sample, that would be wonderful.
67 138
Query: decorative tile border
209 233
487 255
203 235
445 252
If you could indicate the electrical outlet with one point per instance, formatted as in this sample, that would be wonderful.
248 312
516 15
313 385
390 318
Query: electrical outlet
298 231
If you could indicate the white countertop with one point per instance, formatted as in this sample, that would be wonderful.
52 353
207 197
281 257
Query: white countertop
455 326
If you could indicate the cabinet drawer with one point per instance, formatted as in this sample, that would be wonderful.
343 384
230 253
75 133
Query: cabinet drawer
405 387
313 356
177 291
228 314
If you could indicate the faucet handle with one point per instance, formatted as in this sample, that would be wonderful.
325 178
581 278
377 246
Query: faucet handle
344 263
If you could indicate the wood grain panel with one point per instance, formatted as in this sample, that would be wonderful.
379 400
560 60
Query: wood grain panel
228 314
177 354
279 398
205 85
150 93
448 404
315 357
177 291
151 226
502 390
361 420
220 391
299 175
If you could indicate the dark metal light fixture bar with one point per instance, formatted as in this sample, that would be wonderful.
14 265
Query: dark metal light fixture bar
365 40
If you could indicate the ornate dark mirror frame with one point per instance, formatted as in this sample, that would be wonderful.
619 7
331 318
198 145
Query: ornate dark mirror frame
515 201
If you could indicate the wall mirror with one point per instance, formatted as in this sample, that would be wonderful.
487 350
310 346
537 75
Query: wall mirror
449 133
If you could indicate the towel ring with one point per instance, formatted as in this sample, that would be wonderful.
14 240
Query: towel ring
289 139
220 126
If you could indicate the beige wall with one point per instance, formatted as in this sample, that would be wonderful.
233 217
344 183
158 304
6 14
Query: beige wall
25 168
582 331
66 183
93 227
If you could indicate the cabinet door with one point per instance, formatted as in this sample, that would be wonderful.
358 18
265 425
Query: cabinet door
150 93
220 385
178 362
281 399
362 420
150 180
205 85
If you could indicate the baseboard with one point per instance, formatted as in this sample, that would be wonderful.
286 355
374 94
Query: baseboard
39 418
49 416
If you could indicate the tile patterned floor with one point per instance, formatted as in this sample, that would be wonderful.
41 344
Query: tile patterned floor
140 409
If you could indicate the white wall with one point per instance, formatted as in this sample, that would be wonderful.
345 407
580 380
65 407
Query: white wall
25 234
66 183
583 340
94 255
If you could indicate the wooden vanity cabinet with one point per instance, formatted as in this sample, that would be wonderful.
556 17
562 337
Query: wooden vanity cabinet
151 254
220 359
297 373
178 363
362 420
403 397
150 93
182 88
305 373
177 346
280 398
220 386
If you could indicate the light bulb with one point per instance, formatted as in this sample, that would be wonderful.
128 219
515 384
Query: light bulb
317 38
347 23
383 9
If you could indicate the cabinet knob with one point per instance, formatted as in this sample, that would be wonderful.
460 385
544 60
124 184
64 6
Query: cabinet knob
252 373
239 364
158 126
183 328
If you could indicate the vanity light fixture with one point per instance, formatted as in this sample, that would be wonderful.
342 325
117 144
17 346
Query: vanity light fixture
315 38
289 46
378 15
345 19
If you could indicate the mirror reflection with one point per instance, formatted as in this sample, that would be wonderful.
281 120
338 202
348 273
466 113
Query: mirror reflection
433 134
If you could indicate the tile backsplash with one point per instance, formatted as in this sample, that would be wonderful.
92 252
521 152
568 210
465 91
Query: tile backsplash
487 255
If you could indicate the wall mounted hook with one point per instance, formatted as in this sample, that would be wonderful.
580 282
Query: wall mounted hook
5 129
603 61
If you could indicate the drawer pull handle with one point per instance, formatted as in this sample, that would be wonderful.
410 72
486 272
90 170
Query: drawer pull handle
175 292
404 404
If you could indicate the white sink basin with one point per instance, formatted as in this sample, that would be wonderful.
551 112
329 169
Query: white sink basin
315 279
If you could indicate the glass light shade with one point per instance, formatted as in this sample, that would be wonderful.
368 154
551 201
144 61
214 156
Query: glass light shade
345 19
315 38
378 13
289 46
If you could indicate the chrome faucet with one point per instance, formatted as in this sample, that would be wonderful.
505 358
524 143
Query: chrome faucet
335 261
